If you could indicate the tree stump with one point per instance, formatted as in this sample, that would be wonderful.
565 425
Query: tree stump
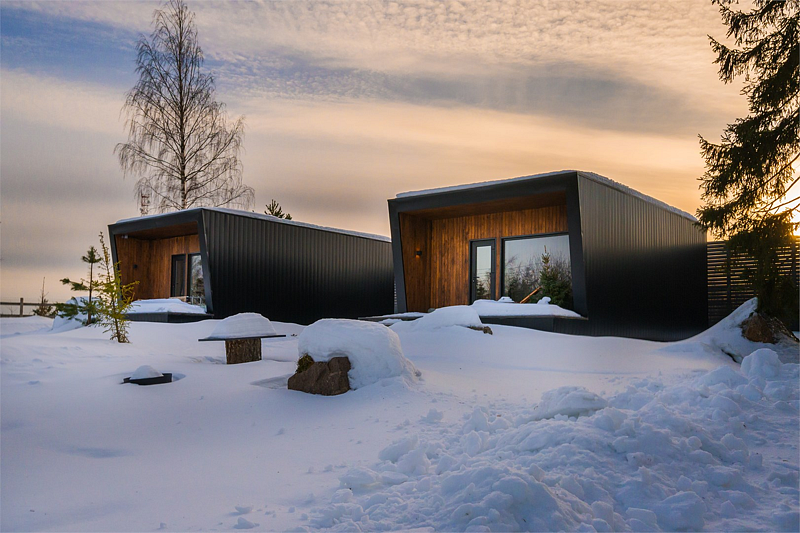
242 350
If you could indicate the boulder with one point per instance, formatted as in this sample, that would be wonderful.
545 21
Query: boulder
327 378
766 329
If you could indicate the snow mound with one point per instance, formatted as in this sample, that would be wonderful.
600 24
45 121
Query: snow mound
568 401
507 307
164 305
373 349
243 325
762 363
146 371
456 315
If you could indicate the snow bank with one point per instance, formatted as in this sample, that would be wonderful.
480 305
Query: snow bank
373 349
24 325
243 325
726 337
507 307
456 315
164 305
656 457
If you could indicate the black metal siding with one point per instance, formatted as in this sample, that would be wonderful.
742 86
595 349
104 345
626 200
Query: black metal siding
645 266
293 273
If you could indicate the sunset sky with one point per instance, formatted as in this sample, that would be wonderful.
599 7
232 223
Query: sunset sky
349 103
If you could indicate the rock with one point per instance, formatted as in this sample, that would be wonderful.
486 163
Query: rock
325 378
766 329
486 329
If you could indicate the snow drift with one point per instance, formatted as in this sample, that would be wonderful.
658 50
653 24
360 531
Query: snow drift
655 457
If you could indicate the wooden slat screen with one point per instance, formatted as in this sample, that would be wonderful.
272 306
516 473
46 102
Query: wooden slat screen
727 287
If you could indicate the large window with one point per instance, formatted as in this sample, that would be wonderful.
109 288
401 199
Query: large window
197 290
543 263
187 279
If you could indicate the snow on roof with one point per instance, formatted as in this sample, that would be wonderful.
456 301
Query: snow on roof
589 175
260 216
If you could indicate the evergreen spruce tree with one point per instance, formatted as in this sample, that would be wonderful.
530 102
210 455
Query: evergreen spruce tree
115 298
275 209
749 174
86 307
556 282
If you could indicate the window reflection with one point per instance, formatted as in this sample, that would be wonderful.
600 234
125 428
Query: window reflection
538 262
197 291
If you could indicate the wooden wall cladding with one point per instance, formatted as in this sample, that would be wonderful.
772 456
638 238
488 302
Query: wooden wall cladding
150 261
415 237
448 250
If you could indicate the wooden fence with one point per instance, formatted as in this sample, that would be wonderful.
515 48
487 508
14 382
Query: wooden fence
21 305
727 286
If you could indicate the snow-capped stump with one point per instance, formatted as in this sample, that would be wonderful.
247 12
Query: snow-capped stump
242 334
372 350
147 375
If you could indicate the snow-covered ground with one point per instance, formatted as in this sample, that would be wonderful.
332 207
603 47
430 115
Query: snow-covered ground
519 430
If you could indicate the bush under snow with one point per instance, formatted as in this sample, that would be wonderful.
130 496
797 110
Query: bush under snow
373 349
456 315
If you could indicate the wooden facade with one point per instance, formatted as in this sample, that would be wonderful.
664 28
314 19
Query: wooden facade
436 248
148 260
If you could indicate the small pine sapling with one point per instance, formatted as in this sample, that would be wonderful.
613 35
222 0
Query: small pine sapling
80 306
115 298
44 308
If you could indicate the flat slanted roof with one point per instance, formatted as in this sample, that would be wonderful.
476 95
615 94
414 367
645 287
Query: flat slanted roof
155 219
588 175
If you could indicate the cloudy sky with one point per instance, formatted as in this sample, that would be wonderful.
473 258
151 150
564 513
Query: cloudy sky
349 103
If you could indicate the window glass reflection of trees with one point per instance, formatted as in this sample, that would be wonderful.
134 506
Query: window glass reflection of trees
527 259
197 292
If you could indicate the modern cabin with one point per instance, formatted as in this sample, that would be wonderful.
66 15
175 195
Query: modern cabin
637 266
233 261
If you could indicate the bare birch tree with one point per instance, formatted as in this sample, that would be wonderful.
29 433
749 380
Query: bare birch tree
180 144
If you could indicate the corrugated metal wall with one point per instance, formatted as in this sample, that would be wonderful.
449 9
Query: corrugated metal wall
645 266
292 273
727 287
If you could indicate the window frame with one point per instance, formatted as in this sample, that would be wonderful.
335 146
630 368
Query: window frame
473 244
521 237
172 271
